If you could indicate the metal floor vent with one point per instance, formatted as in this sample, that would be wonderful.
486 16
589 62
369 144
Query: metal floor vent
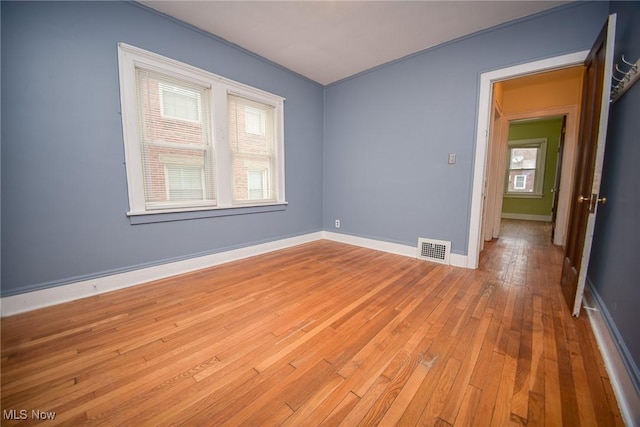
434 250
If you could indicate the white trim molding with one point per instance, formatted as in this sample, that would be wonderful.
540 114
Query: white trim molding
527 217
455 260
34 300
621 382
73 291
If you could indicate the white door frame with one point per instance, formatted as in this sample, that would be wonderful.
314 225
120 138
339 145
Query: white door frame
482 135
495 179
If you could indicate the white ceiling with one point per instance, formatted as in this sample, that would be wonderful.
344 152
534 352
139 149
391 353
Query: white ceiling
327 41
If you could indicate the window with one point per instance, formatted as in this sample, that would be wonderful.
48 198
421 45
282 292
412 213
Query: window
256 185
525 168
197 141
255 121
184 182
520 182
172 143
180 103
252 152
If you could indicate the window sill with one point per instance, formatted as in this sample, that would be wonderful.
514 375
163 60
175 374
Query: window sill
150 217
523 196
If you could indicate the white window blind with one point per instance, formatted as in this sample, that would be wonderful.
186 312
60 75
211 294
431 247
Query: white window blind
251 139
185 182
175 137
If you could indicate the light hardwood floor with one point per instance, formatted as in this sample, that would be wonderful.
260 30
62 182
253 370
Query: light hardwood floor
320 334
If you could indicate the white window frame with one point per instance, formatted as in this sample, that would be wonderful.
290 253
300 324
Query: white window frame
130 58
538 187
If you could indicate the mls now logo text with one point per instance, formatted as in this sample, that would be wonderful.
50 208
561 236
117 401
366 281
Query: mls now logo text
23 414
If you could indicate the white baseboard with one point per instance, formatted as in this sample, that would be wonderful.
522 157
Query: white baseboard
621 382
394 248
528 217
56 295
86 288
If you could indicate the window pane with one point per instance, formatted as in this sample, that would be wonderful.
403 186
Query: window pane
252 178
185 182
251 138
523 158
167 169
254 121
522 181
255 183
175 140
180 103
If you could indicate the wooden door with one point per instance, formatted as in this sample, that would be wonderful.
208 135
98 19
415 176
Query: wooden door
591 144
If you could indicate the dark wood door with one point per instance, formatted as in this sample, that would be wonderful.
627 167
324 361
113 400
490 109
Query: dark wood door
591 144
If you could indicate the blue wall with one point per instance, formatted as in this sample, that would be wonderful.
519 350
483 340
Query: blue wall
388 132
64 191
614 268
372 153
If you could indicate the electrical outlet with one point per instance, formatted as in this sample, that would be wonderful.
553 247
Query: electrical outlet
452 158
337 223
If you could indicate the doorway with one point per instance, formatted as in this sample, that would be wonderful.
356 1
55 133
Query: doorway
486 115
528 105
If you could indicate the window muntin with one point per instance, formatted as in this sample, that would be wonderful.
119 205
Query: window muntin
525 167
175 161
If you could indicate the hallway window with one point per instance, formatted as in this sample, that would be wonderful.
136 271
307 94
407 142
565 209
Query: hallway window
525 167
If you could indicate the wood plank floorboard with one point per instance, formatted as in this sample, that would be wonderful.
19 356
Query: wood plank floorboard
319 334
